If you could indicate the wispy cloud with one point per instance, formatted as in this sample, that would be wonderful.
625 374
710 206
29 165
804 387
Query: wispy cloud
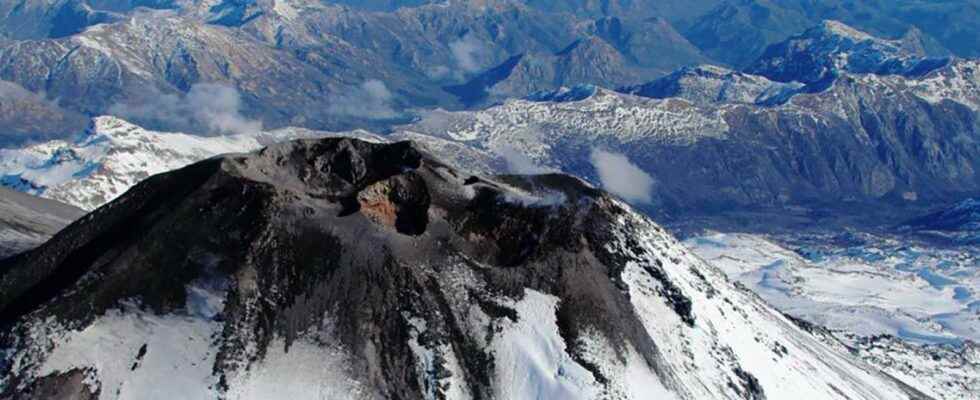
544 199
370 100
207 108
621 177
518 162
469 53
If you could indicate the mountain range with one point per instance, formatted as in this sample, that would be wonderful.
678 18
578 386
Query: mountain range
881 126
339 65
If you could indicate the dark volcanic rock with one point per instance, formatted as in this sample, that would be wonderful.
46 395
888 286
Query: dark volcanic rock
312 226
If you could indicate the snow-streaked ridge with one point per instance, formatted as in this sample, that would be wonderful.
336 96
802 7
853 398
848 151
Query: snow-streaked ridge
735 331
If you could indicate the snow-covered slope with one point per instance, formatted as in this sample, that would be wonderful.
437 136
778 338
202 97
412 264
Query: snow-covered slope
857 282
959 82
326 268
112 156
106 160
906 307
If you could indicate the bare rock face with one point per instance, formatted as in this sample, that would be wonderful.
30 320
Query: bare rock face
338 268
70 385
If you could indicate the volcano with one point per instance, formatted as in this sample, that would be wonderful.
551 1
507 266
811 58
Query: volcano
339 268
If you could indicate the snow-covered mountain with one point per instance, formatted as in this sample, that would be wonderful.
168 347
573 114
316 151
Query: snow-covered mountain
708 84
248 276
112 155
315 64
821 53
709 138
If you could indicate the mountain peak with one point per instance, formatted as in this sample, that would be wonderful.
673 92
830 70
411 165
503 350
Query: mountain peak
841 29
832 48
111 126
377 271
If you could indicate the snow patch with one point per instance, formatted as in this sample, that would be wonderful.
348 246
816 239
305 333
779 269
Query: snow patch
176 349
530 357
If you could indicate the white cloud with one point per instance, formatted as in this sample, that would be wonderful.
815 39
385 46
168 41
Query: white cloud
469 53
438 72
218 108
621 177
371 100
518 162
206 108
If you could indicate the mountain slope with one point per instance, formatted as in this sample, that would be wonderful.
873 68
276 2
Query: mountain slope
27 221
959 223
587 60
136 63
26 116
216 278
